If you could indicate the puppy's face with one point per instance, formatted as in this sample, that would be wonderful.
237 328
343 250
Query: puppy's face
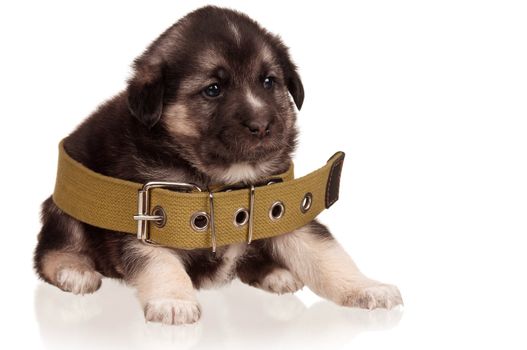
220 86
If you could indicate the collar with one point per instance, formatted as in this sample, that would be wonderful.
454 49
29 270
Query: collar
183 215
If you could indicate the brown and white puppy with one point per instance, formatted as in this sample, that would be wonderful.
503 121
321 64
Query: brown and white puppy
208 103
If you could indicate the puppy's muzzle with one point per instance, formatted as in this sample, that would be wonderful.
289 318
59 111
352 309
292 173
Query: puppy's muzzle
259 128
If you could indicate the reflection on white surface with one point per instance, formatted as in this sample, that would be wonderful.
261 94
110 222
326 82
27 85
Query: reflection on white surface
236 316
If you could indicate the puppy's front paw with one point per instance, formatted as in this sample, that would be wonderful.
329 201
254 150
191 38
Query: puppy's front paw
280 281
373 296
172 311
78 281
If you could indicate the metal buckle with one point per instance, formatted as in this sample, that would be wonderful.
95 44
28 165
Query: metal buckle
143 206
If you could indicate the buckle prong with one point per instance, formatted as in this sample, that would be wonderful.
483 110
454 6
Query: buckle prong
143 216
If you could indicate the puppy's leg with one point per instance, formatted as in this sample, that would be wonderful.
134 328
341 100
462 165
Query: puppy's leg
164 288
317 258
59 257
259 269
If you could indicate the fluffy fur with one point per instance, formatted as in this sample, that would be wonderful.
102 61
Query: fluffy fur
165 126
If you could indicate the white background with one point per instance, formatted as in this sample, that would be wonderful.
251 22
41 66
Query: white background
427 99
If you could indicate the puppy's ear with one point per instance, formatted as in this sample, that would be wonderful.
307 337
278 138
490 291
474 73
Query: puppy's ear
295 87
145 94
291 76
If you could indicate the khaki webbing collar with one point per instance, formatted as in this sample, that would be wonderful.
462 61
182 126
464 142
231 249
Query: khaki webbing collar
170 215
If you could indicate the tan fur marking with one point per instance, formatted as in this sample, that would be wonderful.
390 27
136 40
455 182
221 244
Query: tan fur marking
211 59
178 121
242 172
280 281
267 57
53 261
330 272
73 228
253 100
191 86
236 33
194 84
71 272
266 54
315 260
164 288
164 275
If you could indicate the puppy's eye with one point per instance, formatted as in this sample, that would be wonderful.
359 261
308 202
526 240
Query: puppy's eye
213 90
268 82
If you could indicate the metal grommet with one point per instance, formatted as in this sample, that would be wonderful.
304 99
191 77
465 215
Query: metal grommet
305 205
241 217
199 221
276 211
158 211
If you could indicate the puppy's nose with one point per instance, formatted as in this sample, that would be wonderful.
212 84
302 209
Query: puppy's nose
259 128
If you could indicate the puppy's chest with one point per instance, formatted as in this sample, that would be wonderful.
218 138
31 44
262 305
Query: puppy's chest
241 172
208 270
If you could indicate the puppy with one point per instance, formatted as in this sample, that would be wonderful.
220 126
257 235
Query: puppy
208 103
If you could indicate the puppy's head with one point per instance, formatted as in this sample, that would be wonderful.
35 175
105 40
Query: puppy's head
219 86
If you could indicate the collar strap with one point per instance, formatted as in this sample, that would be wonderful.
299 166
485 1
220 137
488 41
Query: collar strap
182 215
